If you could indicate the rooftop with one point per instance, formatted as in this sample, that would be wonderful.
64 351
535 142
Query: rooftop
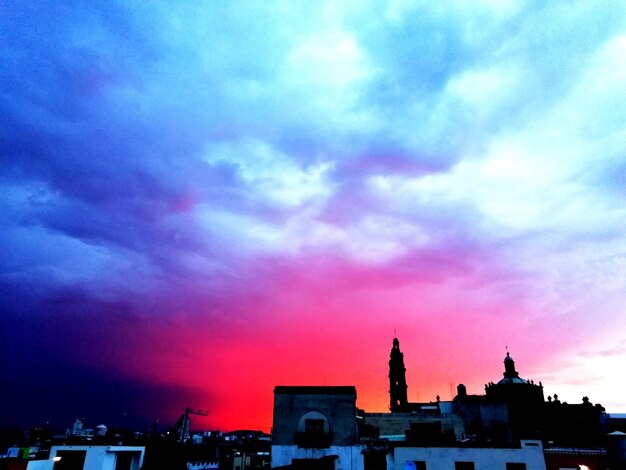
316 389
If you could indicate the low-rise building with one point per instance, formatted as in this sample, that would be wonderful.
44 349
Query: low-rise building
98 457
528 455
317 427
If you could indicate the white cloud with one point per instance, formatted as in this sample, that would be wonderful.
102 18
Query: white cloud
329 60
372 239
272 175
590 369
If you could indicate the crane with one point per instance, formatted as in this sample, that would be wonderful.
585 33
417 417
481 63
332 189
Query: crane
182 427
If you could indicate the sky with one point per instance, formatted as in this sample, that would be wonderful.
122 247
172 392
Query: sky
203 200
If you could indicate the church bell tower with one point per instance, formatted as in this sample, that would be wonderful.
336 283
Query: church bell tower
397 379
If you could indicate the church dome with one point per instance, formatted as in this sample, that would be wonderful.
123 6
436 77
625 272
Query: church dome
512 380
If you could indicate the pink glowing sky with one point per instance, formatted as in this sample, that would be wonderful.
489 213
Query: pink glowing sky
202 201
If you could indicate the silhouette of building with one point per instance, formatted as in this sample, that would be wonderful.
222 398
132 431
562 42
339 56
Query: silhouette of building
511 409
523 400
315 427
511 427
397 379
398 401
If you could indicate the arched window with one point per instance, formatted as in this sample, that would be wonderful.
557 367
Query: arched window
314 422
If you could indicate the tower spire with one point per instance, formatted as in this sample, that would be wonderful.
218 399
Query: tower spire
397 378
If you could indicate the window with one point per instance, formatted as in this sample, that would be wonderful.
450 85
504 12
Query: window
314 426
515 466
123 460
70 460
373 460
313 432
463 465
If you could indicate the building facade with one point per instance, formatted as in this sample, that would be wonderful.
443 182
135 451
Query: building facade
528 455
316 427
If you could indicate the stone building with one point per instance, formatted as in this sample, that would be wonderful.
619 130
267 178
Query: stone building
316 427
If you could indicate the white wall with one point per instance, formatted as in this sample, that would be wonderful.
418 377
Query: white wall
443 458
350 457
40 465
436 458
103 457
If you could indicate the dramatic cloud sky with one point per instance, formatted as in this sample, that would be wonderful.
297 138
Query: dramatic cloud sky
201 201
